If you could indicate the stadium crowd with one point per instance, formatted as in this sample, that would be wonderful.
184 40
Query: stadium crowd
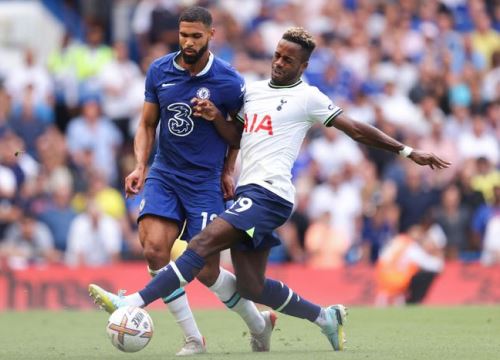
426 72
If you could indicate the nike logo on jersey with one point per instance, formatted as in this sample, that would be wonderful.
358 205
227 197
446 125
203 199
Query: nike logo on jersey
167 85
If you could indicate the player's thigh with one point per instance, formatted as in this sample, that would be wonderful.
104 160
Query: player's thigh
250 269
215 237
158 233
160 214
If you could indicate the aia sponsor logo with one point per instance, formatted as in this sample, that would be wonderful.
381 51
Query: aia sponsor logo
254 125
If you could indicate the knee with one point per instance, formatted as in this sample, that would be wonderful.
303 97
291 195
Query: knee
251 290
156 254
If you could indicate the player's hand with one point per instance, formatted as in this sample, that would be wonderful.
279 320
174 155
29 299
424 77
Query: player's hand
134 182
206 109
423 158
227 183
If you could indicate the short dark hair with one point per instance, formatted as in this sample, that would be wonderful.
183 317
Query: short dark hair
301 37
196 14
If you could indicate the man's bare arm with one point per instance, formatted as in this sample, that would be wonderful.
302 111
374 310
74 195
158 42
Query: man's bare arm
143 142
371 136
227 129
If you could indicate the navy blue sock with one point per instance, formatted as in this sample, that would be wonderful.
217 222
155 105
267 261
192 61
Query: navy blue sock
281 298
173 276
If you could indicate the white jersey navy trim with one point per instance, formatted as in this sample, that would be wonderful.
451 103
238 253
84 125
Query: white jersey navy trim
276 120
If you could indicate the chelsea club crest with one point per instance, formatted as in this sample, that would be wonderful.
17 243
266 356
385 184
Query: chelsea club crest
203 93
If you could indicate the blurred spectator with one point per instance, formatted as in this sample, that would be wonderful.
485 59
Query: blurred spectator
479 142
485 179
408 265
399 110
483 215
399 70
91 57
429 258
116 79
94 133
27 242
493 116
271 29
94 238
59 214
31 73
455 222
333 142
459 121
29 120
491 80
9 212
155 21
484 38
341 197
61 64
377 230
438 143
325 245
491 247
415 198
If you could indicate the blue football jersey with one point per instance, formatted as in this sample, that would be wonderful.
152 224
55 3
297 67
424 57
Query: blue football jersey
190 146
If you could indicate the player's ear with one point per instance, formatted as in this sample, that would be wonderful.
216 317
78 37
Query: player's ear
303 66
211 33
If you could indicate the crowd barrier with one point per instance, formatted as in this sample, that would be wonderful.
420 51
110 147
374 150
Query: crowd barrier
58 287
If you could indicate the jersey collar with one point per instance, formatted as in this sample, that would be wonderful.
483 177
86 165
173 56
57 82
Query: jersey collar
284 86
203 71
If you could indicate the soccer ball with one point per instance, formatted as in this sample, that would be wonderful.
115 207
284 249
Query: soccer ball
130 328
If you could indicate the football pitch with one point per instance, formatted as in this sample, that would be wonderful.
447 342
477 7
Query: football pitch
396 333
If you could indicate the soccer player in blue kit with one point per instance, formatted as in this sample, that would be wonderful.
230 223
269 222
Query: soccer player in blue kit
184 181
274 120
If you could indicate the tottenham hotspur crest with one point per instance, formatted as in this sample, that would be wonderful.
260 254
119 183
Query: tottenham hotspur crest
203 93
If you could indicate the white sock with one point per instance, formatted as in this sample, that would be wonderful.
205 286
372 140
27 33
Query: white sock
225 288
135 299
182 313
321 319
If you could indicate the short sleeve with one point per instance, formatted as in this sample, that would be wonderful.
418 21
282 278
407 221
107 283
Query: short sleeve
150 91
233 99
320 108
241 115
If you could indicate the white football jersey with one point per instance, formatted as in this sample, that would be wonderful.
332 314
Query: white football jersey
276 120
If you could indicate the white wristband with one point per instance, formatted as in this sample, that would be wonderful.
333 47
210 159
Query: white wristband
406 151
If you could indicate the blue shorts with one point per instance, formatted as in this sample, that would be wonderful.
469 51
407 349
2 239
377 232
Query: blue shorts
171 197
258 212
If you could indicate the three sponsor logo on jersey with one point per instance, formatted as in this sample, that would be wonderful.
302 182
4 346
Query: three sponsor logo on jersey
181 123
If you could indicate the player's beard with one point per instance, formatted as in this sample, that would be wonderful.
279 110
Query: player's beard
193 59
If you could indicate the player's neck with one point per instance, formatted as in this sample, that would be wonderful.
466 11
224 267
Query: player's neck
287 84
197 67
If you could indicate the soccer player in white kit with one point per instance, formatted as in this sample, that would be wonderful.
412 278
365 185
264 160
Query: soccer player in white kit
274 120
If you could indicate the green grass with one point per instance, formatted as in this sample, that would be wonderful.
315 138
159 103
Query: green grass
398 333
